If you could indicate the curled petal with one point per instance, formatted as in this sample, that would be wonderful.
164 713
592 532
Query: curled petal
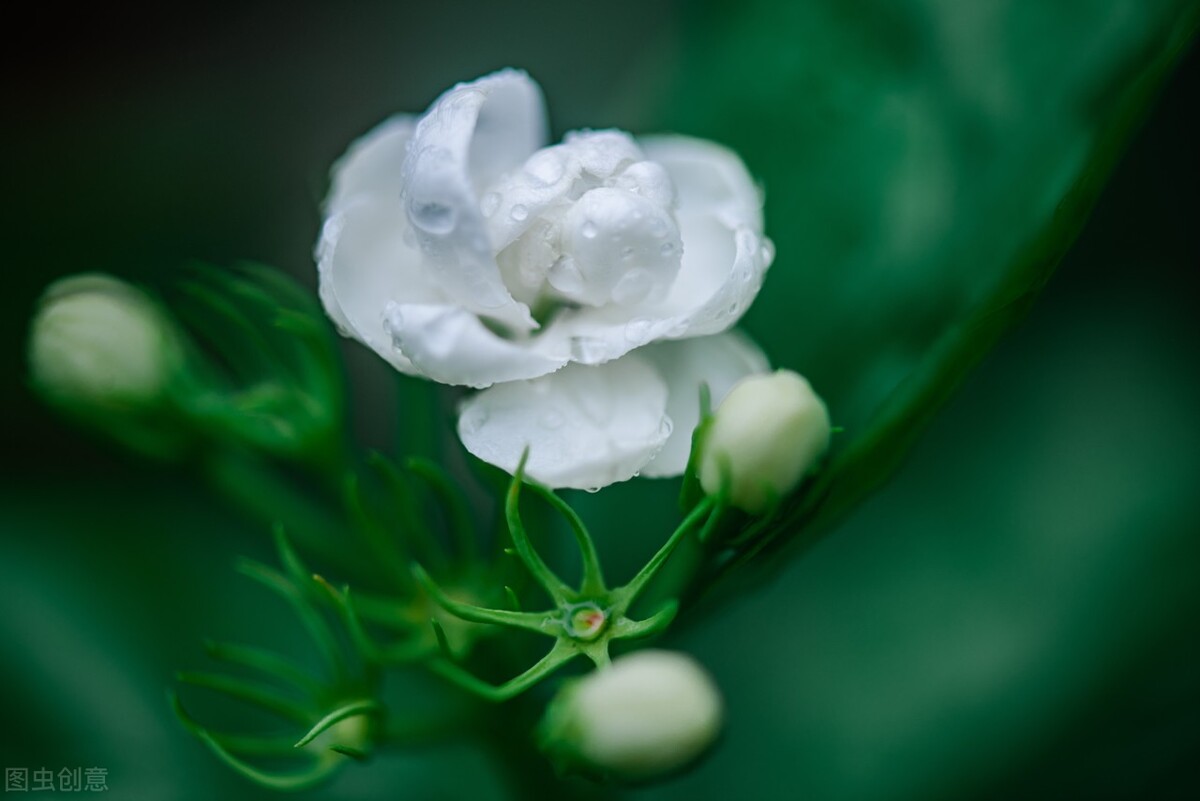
722 272
452 346
709 179
363 259
552 175
725 259
373 167
468 138
720 217
719 361
585 427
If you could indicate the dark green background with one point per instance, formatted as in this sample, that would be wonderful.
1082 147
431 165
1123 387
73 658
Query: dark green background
1014 616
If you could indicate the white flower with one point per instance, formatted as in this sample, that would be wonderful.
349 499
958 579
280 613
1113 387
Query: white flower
767 433
460 248
646 715
98 340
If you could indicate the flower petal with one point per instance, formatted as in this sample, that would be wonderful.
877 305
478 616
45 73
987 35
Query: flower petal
363 262
725 258
585 427
720 217
719 361
452 346
373 166
709 179
552 176
468 138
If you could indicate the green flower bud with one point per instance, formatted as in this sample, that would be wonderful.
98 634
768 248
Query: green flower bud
767 433
646 715
97 341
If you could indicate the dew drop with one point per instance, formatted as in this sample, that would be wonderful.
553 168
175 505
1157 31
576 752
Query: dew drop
544 167
564 275
432 217
588 230
593 490
627 253
767 252
666 249
489 204
632 287
733 309
519 213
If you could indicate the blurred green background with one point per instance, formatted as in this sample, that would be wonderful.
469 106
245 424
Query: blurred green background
1015 615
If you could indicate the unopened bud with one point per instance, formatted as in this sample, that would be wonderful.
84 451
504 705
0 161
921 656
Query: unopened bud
646 715
767 433
99 341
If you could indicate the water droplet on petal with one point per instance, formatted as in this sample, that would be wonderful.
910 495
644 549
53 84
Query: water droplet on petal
564 275
593 490
666 249
433 217
489 204
627 253
632 287
588 230
519 213
545 166
767 252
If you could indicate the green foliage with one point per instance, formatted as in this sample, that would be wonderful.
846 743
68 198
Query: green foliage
926 166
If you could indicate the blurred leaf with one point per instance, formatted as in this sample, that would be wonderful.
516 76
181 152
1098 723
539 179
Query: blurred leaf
926 165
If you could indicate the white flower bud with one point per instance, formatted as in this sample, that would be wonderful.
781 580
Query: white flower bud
98 340
646 715
767 433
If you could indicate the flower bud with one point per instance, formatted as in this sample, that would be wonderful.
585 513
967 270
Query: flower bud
644 716
767 433
97 341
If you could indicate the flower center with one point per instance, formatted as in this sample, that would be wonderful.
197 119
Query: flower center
585 621
589 222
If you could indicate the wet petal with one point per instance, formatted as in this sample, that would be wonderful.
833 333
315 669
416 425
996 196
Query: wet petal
373 166
719 361
709 179
452 346
585 427
364 262
468 138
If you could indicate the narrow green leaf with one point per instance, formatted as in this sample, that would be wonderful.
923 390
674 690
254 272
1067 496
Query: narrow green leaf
593 577
252 693
263 660
558 656
454 502
552 584
362 706
529 621
301 604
